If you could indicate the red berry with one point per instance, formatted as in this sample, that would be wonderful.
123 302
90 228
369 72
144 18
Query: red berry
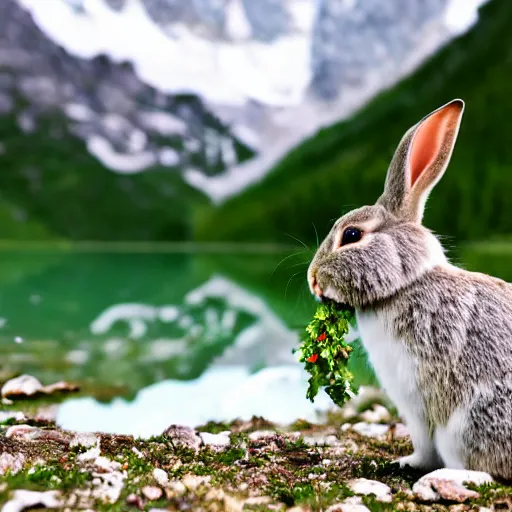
322 337
312 359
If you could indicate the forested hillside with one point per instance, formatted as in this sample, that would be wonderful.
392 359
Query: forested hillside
345 165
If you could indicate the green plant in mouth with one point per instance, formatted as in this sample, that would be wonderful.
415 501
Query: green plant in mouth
325 352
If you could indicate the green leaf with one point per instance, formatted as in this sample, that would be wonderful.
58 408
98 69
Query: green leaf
330 370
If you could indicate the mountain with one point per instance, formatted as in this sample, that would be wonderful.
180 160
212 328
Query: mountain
75 135
345 165
143 113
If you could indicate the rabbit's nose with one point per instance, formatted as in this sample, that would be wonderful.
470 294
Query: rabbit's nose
319 296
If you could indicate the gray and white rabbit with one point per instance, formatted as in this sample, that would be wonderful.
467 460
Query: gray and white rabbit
438 337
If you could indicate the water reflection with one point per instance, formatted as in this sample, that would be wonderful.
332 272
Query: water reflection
228 389
117 323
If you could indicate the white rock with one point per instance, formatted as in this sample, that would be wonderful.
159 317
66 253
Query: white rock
14 415
221 439
27 385
12 463
139 454
22 385
28 499
87 440
177 486
192 482
104 465
378 414
370 429
151 492
91 454
108 486
25 432
448 484
261 434
352 504
366 487
321 440
160 477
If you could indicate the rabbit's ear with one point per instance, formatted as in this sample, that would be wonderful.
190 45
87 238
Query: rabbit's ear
420 161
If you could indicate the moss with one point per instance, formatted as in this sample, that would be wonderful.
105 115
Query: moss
280 467
214 427
300 425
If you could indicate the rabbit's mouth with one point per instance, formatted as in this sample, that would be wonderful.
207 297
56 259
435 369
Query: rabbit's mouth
340 305
329 294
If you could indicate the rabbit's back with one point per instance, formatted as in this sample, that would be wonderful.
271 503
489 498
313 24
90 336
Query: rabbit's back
457 325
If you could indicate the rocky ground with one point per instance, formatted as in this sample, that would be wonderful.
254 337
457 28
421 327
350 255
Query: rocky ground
345 464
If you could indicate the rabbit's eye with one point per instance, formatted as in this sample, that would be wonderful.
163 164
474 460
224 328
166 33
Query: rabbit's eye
351 236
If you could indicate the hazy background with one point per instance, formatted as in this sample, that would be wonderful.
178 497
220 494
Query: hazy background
167 165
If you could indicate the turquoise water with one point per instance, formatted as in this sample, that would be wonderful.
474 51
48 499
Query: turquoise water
154 338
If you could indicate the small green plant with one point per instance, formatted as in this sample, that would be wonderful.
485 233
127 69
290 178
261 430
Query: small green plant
325 352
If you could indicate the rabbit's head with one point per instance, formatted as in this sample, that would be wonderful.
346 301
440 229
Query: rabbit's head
374 251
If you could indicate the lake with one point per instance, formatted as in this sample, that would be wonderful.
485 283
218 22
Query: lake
156 336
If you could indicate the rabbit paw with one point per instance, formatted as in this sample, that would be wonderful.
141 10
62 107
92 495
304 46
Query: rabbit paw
419 461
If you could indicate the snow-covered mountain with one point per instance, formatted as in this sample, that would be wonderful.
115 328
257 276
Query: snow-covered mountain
259 75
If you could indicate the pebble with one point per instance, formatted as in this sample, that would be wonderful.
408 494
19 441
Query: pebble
178 487
29 433
23 499
27 385
160 477
91 454
221 439
85 440
378 414
261 434
47 413
321 440
151 492
12 415
375 430
108 486
192 482
135 501
11 463
184 436
366 487
139 454
24 385
448 484
352 504
104 465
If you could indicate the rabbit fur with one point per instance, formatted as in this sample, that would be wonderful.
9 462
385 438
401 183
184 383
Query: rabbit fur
438 337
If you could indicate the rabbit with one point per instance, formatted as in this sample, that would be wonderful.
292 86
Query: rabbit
438 337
